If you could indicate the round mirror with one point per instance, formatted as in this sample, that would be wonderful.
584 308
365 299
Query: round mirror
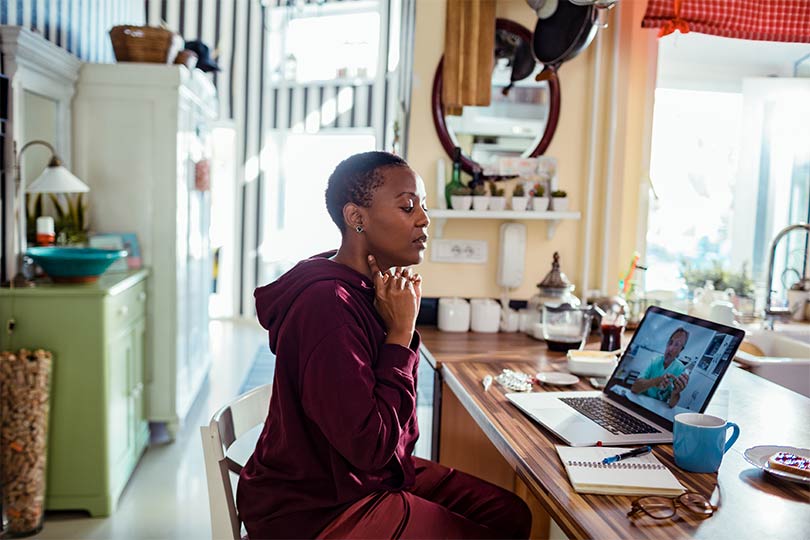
521 117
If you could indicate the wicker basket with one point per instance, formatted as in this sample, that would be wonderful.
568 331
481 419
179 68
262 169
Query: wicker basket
144 44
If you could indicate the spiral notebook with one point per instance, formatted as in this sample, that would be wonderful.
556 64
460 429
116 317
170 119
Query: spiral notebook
643 475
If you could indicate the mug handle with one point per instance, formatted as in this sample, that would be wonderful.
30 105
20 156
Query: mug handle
734 435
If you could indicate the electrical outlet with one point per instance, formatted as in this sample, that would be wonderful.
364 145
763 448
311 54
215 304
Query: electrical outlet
458 251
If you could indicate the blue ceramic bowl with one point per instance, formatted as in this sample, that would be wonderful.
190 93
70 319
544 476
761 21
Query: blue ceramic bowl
74 265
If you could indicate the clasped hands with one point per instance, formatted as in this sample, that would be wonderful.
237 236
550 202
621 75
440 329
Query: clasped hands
397 294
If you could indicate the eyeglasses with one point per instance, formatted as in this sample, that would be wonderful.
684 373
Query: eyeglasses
664 507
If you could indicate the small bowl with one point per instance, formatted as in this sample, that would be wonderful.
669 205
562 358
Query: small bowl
74 265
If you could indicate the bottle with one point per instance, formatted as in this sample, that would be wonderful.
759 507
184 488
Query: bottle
45 231
455 179
690 367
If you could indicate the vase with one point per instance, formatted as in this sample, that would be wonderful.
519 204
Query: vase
540 204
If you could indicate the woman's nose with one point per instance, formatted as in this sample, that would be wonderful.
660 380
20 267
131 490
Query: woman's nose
424 219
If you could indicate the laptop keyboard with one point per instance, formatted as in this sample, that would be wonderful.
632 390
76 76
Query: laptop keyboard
609 416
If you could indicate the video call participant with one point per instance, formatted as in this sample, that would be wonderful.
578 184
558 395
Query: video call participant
664 378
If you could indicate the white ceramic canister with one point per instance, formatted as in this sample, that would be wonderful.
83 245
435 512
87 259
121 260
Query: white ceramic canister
454 315
485 315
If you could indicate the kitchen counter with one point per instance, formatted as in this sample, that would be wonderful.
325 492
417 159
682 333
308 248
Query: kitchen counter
483 434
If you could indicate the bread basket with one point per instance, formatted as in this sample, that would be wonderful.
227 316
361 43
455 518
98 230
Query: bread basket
145 44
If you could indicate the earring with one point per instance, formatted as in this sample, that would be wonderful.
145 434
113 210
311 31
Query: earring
359 228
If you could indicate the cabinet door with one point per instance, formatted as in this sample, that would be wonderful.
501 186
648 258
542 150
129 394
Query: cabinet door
138 336
120 407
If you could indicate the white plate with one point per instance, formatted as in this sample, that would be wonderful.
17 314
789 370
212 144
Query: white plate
758 456
557 378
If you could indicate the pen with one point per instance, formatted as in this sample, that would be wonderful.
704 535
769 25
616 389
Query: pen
632 453
487 382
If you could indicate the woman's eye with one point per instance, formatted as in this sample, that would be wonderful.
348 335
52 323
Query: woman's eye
407 209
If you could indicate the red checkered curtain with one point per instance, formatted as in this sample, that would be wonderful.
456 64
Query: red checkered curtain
762 20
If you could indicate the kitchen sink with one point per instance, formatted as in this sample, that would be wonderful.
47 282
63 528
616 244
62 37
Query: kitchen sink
782 357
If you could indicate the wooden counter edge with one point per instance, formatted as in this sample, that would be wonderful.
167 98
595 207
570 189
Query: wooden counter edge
563 519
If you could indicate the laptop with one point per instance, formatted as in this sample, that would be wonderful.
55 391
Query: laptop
641 398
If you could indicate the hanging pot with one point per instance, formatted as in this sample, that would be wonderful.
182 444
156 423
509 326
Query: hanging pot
563 35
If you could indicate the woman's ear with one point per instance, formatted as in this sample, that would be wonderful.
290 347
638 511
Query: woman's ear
354 217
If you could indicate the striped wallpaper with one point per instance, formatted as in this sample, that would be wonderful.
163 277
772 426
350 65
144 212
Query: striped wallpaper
260 109
80 26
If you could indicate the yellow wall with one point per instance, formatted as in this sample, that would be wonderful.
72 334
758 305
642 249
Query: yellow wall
570 146
424 149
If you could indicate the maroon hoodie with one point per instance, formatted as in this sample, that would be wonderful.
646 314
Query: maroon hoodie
342 418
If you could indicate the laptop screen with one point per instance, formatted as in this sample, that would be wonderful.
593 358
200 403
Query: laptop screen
673 364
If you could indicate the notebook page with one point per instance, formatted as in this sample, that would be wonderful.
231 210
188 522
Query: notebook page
638 475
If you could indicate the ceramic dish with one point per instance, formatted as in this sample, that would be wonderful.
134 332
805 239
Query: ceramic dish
556 378
758 456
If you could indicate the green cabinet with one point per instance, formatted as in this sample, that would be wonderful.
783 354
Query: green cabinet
98 430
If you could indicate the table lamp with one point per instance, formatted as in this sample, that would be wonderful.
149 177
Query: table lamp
54 179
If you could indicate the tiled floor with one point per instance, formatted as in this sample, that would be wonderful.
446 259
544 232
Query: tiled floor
167 495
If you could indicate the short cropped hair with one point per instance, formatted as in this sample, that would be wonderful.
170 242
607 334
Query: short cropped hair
680 330
354 181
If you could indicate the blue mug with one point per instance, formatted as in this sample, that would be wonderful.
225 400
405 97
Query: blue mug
699 441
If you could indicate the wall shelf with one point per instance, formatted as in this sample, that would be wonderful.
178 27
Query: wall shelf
439 217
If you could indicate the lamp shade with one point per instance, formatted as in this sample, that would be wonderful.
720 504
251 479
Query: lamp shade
57 179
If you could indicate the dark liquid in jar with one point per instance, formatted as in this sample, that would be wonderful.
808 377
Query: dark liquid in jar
611 337
562 346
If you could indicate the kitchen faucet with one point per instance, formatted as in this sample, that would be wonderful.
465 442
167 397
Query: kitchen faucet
770 312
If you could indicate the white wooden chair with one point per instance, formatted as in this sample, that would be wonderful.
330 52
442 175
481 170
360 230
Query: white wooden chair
227 425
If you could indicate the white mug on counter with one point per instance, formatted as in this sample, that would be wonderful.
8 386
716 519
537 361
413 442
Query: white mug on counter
485 315
454 315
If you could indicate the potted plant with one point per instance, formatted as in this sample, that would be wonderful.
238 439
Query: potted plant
559 200
519 199
72 223
460 198
497 201
480 198
539 200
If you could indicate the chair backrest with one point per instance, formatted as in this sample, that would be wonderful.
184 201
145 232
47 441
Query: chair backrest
227 425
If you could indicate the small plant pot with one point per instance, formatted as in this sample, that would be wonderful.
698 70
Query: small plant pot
519 204
540 204
461 202
480 202
497 203
559 204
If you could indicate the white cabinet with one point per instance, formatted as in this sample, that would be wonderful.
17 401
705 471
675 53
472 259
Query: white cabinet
139 132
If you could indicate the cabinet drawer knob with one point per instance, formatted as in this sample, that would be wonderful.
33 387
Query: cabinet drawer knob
141 296
123 310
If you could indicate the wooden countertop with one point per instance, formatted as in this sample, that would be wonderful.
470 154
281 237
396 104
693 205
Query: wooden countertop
752 504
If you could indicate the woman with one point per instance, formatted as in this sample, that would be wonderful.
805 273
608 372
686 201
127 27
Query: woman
334 458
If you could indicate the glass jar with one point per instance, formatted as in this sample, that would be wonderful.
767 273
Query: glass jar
565 326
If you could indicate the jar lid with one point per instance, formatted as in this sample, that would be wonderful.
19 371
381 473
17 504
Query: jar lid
555 279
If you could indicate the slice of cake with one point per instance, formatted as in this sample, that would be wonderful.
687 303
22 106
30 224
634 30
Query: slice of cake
785 461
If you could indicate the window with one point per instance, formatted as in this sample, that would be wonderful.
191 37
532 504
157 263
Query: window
332 87
730 159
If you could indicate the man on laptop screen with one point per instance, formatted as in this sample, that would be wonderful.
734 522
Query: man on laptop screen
664 377
672 365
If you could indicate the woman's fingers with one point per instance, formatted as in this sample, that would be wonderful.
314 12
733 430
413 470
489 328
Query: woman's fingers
378 276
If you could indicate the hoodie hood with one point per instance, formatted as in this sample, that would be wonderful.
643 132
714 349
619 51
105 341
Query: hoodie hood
274 301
